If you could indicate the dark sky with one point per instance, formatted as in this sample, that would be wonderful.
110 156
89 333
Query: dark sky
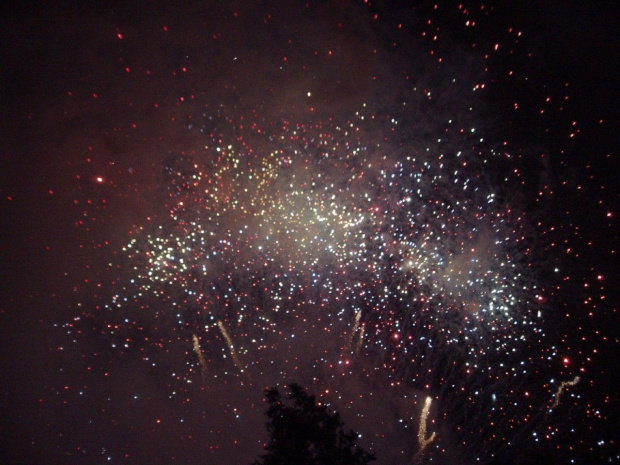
97 99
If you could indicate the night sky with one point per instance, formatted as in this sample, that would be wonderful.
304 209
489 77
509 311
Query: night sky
407 208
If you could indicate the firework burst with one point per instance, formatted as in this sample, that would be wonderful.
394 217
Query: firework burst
404 258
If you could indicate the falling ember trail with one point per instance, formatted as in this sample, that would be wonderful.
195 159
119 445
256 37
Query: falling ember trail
560 390
231 347
360 341
423 441
358 317
201 357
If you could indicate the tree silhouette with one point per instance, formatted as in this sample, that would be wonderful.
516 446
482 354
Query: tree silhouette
304 433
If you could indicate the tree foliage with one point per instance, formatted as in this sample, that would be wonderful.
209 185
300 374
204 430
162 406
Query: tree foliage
305 433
